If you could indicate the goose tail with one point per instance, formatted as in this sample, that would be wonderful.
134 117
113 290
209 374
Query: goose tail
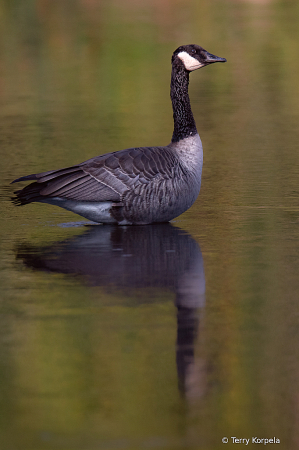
28 194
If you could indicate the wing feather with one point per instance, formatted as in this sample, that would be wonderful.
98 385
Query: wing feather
103 178
63 181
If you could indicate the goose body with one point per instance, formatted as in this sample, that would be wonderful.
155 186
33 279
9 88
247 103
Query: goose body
139 185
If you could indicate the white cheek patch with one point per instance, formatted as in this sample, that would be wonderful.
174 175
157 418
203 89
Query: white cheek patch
189 62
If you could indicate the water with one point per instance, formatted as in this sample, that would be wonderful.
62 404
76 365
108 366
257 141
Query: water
165 336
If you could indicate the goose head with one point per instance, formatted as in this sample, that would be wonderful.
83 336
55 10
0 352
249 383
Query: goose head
194 57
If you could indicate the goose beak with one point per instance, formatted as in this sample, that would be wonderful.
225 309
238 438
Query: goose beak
210 59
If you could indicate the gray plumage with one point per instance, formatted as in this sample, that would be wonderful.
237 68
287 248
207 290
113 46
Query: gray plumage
137 185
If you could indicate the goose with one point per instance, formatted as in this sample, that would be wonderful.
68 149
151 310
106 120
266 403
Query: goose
140 185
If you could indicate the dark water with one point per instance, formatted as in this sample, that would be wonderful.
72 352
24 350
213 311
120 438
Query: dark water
166 336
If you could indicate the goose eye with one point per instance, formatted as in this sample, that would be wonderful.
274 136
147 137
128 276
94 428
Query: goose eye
193 50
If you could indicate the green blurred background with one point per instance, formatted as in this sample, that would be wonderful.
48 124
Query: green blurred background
79 368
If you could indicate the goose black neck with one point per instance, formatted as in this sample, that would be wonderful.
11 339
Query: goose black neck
184 123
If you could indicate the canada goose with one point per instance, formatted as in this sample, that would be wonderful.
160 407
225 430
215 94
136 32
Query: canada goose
137 185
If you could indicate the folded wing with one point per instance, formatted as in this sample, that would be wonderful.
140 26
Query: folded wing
100 179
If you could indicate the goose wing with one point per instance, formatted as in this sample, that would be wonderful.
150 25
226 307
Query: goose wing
122 170
103 178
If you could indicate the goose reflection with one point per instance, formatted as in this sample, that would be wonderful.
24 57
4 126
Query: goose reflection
149 259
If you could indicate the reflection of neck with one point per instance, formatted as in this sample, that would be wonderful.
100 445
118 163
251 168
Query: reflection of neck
184 124
187 326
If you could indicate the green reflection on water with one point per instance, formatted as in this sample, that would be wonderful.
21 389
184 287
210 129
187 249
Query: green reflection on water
80 78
